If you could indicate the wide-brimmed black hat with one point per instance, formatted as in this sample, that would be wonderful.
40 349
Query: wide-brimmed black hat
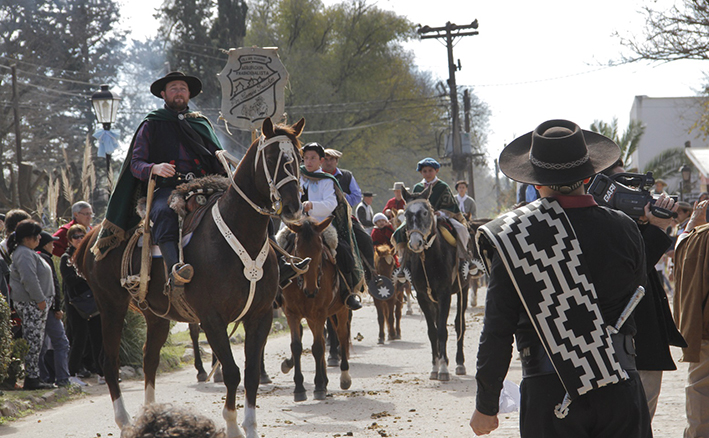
557 152
193 83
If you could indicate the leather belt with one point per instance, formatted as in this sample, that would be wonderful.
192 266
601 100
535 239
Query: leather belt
536 362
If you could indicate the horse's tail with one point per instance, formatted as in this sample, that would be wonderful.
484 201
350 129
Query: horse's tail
83 251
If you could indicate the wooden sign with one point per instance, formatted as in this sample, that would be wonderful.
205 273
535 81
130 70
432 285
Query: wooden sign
253 87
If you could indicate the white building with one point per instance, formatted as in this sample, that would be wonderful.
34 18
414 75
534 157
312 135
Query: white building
670 122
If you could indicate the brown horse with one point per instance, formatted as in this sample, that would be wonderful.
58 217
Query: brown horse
220 291
388 311
315 297
401 284
433 264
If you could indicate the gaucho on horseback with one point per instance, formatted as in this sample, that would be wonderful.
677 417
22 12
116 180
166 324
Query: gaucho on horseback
322 197
174 145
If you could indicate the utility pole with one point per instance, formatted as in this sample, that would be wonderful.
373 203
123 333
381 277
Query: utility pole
449 32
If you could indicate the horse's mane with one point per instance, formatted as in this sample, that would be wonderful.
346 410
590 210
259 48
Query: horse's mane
84 247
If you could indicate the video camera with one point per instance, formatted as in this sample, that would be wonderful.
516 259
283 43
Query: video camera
629 193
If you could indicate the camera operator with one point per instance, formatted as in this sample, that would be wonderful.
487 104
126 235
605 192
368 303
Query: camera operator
655 325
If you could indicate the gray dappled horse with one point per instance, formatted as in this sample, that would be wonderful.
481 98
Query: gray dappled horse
433 264
221 289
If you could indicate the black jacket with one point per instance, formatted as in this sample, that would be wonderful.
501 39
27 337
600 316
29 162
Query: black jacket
656 327
72 284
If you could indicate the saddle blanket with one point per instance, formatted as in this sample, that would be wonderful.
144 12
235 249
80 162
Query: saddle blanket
542 255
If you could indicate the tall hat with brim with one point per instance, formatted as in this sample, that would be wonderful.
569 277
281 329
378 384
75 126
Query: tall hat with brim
557 152
193 83
399 186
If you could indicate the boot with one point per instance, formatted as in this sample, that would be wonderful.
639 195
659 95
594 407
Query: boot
286 271
180 274
350 299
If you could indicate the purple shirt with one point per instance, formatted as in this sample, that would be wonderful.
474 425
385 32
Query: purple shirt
140 166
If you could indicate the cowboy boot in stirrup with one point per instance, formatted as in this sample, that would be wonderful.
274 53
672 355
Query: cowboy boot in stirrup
180 273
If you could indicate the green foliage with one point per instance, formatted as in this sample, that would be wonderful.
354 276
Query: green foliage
133 339
667 163
63 50
15 370
6 347
628 142
355 84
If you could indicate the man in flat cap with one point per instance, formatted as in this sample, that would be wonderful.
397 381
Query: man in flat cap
172 144
564 276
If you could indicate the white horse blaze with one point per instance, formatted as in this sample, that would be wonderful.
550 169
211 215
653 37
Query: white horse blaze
232 429
120 413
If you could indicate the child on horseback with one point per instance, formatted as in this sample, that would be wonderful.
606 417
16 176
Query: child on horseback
322 197
444 204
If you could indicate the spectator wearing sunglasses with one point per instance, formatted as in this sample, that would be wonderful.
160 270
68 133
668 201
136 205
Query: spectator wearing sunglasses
81 213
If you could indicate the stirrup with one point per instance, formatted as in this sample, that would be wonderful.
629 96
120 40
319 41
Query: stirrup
182 274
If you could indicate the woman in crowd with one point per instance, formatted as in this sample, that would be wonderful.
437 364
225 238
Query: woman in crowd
32 287
53 368
81 313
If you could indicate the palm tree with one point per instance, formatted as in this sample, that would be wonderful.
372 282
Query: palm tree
628 142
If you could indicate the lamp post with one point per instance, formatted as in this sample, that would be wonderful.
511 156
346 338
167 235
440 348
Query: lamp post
686 172
105 103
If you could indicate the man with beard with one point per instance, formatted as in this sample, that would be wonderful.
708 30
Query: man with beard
172 144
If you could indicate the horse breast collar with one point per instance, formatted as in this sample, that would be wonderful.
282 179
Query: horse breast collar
544 260
253 269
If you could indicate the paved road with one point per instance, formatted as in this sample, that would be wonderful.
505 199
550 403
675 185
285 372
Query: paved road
390 395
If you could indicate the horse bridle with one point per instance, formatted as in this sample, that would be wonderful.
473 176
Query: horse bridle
287 150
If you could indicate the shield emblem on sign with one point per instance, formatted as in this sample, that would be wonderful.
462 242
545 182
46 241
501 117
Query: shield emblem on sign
253 87
381 287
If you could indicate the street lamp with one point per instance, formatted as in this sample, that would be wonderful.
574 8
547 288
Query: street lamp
105 103
686 172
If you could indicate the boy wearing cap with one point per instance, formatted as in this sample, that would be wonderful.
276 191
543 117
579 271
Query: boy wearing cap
322 197
364 212
562 271
465 203
382 231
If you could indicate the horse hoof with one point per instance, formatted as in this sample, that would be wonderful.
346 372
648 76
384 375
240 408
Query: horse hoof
265 379
394 337
319 395
300 396
433 376
286 366
460 370
345 383
202 377
409 312
380 341
444 377
333 361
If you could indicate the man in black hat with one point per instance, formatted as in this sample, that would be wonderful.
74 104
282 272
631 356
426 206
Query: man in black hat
172 144
563 272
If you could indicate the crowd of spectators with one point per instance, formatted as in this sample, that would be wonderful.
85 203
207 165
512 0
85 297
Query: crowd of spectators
57 318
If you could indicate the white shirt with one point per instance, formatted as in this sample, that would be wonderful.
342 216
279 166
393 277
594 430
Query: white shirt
321 192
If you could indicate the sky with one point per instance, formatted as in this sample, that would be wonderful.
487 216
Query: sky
531 61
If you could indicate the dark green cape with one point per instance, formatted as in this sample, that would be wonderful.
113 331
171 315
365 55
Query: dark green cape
121 215
343 224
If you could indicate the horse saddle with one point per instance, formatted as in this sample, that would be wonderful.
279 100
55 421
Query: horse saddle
447 231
